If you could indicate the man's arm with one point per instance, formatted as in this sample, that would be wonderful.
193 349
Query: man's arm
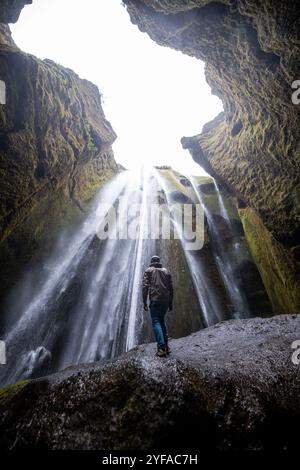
171 292
146 286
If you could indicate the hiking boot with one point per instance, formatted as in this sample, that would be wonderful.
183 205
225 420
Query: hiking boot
168 350
161 352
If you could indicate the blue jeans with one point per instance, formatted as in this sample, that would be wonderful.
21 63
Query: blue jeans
158 311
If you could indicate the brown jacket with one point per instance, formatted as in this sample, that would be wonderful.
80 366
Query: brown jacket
157 283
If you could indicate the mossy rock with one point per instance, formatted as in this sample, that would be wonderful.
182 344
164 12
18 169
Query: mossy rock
278 269
7 393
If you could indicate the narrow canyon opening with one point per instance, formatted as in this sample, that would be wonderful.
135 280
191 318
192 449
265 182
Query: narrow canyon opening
153 95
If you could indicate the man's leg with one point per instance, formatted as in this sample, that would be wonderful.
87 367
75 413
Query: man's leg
157 325
163 311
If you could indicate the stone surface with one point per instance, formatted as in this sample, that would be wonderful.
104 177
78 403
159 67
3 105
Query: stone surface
276 263
251 52
231 386
5 36
10 10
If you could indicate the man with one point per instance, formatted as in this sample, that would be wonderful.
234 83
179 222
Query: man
157 283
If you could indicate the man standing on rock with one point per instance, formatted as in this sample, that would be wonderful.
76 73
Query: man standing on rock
157 283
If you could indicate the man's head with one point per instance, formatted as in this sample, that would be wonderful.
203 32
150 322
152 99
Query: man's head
155 259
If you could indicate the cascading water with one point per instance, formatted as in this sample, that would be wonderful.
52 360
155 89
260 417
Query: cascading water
78 310
84 302
210 306
223 209
138 259
226 256
31 338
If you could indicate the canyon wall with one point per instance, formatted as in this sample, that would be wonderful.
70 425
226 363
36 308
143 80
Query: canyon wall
10 10
251 51
55 152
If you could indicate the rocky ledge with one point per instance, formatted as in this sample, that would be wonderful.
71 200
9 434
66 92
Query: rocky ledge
231 386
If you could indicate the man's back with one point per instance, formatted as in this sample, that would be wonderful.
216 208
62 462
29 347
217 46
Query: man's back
157 283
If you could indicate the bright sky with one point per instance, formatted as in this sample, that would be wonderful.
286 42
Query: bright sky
153 95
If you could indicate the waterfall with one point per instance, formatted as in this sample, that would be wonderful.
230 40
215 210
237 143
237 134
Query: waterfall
83 303
32 335
143 234
87 303
208 302
223 210
226 257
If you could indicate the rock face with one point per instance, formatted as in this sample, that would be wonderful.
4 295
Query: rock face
55 152
10 10
276 263
231 386
251 52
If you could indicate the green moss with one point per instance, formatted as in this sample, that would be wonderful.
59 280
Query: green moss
203 179
172 179
212 203
7 392
279 271
35 237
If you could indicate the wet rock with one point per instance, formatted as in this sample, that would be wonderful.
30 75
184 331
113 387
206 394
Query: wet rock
208 188
11 9
185 182
180 197
231 386
277 264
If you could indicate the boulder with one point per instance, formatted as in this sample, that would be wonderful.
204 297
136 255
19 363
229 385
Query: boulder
235 385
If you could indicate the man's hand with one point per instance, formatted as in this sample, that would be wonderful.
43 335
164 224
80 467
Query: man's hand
146 307
170 308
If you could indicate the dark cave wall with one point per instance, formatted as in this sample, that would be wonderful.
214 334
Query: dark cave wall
251 51
10 10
